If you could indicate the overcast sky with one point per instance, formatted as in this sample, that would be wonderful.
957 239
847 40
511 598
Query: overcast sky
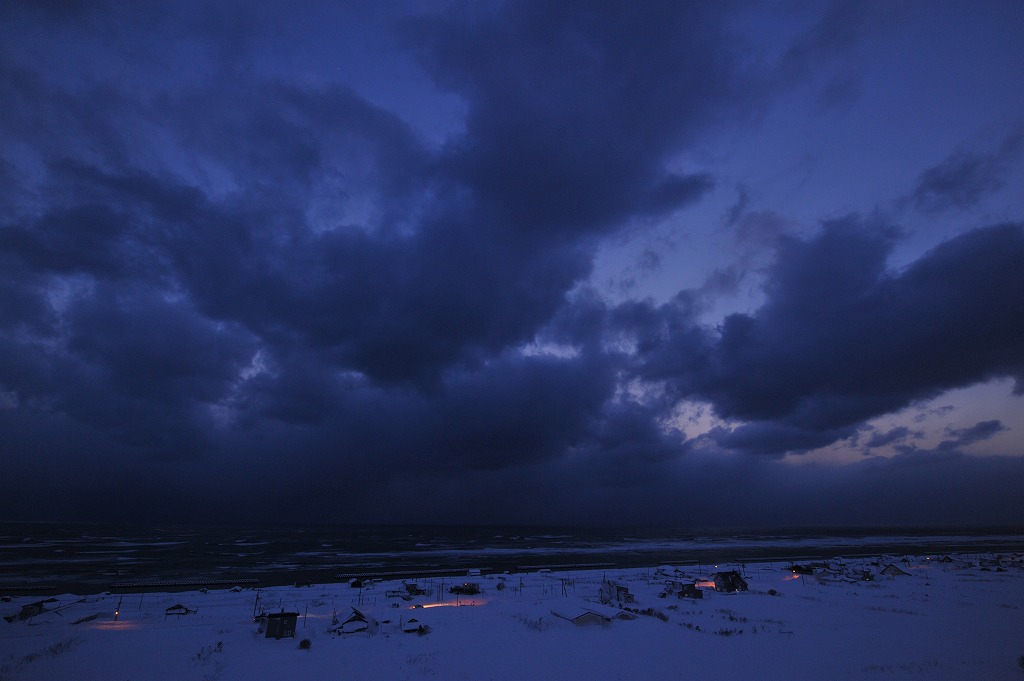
716 264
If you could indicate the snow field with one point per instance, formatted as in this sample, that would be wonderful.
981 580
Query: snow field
938 622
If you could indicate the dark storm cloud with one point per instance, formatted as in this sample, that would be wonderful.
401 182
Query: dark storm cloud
83 239
979 432
225 277
841 339
950 489
441 273
950 448
955 440
839 28
513 413
519 410
964 178
826 51
776 438
572 112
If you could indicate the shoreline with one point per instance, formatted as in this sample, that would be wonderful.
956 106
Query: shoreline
489 564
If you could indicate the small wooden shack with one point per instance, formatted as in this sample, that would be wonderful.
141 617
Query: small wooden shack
356 623
729 582
891 570
414 626
581 617
179 610
279 624
31 610
615 592
682 589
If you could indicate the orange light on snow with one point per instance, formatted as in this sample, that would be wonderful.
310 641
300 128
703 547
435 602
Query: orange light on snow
464 601
111 625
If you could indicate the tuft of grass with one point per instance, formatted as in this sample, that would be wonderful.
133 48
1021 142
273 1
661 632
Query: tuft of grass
537 624
204 655
53 650
649 612
13 666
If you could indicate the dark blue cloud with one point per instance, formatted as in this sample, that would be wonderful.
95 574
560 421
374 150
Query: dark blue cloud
841 338
826 52
227 275
964 178
979 432
572 113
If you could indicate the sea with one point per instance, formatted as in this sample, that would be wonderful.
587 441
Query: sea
95 558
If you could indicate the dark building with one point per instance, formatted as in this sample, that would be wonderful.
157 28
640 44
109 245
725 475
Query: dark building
279 624
728 582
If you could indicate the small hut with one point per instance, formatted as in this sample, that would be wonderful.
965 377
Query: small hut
279 624
681 589
581 617
690 590
729 582
414 626
615 592
891 570
179 610
31 610
356 623
465 589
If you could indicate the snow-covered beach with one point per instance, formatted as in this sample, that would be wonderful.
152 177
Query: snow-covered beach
934 617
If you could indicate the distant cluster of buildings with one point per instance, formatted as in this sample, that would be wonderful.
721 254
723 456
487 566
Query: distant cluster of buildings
613 599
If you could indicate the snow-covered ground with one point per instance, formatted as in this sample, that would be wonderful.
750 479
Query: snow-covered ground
943 620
